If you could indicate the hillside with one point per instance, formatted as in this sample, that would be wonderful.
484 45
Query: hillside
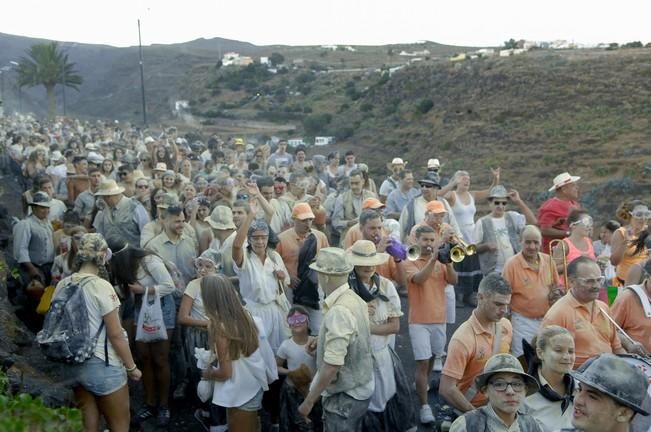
535 115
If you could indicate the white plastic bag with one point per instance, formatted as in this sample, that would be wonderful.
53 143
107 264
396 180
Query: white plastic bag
151 326
205 388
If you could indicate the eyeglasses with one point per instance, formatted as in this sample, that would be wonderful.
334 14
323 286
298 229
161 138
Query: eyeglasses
501 386
297 319
641 214
501 203
585 221
592 281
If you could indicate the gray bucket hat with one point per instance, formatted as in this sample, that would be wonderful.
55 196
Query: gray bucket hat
617 379
332 260
505 363
41 199
498 191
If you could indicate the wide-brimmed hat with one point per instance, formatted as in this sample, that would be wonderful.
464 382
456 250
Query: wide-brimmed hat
333 261
149 140
56 156
432 179
372 203
562 180
108 188
167 201
95 158
498 191
433 163
435 206
160 166
364 253
41 199
505 363
221 218
615 378
302 211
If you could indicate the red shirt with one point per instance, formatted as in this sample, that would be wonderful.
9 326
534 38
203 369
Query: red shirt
553 213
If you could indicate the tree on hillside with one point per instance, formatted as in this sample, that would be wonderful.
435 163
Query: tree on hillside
276 59
511 44
48 66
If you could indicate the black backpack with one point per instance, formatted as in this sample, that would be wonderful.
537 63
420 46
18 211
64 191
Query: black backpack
65 337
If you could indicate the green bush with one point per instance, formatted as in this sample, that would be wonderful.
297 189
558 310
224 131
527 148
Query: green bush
424 105
22 413
314 124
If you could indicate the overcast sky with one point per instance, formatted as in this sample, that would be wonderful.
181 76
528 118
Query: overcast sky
309 22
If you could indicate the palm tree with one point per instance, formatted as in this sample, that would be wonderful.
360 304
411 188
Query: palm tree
47 65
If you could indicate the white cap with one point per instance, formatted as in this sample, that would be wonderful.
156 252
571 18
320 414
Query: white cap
433 163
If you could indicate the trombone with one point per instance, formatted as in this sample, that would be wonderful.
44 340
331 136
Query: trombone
552 261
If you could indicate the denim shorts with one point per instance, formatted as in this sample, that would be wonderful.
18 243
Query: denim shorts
97 378
253 404
168 306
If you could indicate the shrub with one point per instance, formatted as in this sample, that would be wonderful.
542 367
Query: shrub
424 105
22 412
315 124
366 107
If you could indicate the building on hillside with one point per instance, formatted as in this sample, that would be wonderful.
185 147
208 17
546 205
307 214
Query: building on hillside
324 140
329 47
458 57
349 48
295 142
395 69
422 53
235 59
265 61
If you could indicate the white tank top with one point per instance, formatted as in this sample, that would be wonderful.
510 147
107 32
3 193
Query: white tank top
465 215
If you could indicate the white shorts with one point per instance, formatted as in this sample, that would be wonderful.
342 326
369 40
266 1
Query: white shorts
427 340
523 328
450 304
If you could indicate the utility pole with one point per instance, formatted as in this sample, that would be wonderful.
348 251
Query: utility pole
142 80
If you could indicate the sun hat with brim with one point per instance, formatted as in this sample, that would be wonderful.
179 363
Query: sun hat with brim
617 379
563 179
332 261
108 188
160 166
364 253
95 158
431 179
435 206
221 218
302 211
149 140
498 191
41 199
372 203
167 201
433 163
505 363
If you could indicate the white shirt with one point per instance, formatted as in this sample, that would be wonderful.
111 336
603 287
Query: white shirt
296 355
504 248
257 281
193 290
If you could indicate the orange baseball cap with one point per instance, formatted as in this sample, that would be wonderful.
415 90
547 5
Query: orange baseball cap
435 207
302 211
372 203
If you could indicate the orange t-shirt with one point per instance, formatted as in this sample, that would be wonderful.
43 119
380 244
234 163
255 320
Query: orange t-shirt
427 300
530 287
290 244
593 332
628 259
470 348
627 311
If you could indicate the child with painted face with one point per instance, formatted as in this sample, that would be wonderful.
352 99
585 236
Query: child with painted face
298 366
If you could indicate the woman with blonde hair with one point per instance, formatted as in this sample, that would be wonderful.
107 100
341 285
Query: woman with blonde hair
577 244
100 383
624 253
551 360
244 367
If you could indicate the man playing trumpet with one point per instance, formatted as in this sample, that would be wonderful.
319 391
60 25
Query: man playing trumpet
427 278
534 281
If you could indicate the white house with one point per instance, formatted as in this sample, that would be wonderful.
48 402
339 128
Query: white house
421 53
295 142
265 60
323 140
329 47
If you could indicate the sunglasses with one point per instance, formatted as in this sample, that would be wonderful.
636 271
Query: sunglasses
641 214
297 319
426 185
501 203
122 173
585 221
142 186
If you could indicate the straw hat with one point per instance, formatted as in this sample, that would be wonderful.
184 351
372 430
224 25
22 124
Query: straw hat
221 218
108 188
364 253
160 166
433 164
563 179
332 261
41 199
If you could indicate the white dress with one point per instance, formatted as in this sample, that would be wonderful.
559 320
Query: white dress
385 381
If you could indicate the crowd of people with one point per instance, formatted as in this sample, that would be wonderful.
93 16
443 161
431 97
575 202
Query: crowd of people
290 272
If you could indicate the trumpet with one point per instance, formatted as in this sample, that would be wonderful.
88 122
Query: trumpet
461 249
413 252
